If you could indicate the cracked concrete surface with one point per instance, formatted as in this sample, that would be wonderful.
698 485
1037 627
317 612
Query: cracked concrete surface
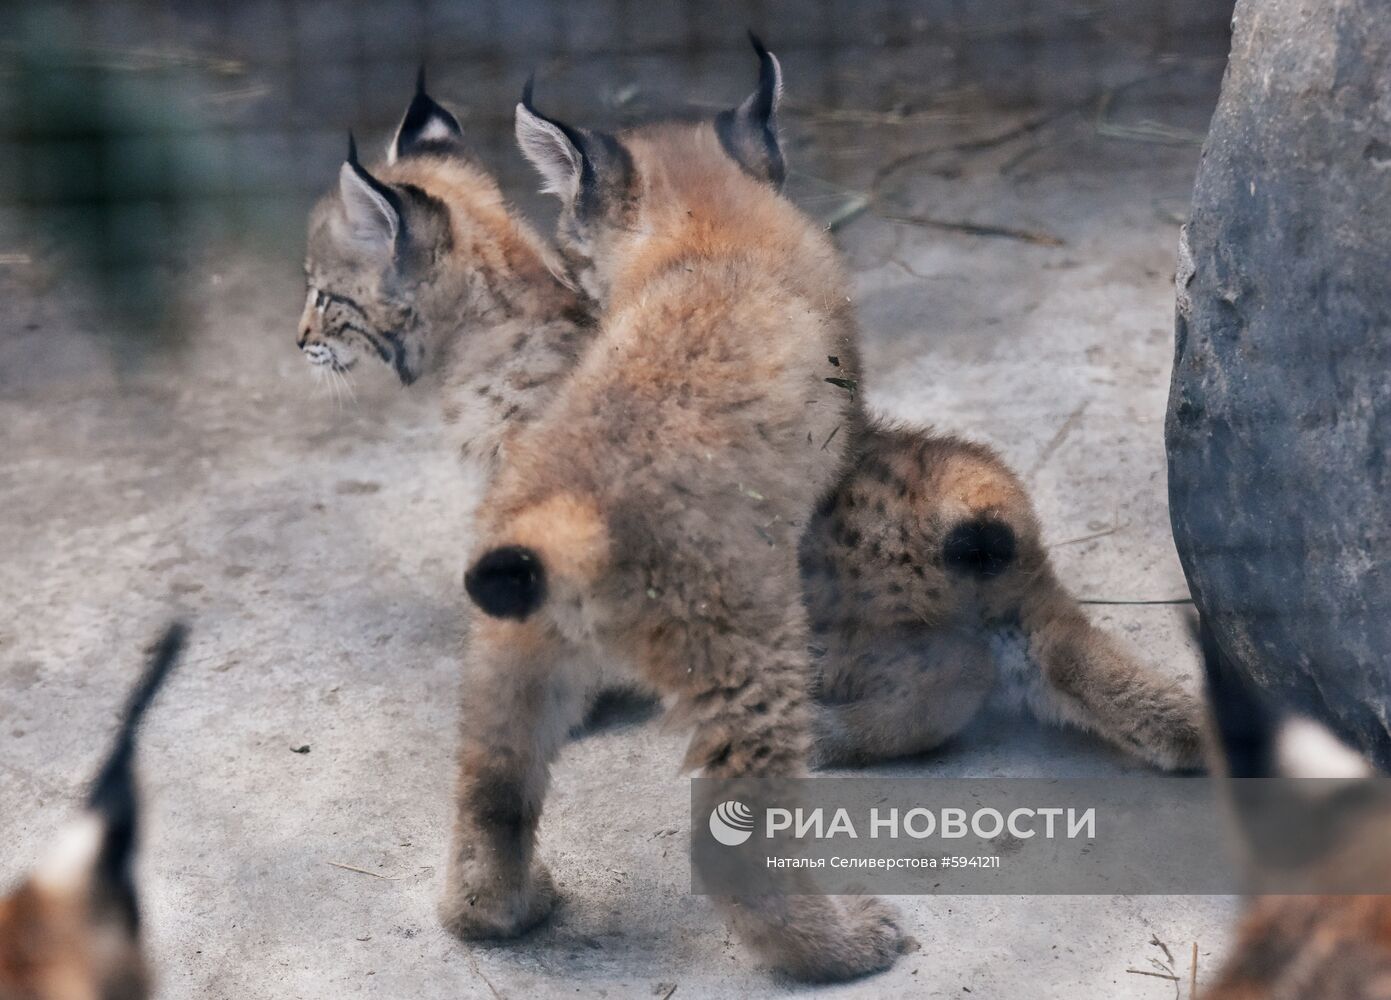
314 540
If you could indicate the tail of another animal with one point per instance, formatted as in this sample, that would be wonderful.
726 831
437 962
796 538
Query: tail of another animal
560 543
73 928
113 793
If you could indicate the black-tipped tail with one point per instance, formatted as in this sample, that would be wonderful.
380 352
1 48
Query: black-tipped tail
508 582
113 795
115 773
983 548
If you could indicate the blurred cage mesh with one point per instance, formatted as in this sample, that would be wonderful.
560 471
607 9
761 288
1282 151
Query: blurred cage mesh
137 136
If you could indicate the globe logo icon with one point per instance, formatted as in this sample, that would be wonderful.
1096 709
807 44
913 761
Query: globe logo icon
731 823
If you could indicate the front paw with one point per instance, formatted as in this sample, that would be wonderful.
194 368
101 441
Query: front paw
1172 739
871 943
825 939
472 912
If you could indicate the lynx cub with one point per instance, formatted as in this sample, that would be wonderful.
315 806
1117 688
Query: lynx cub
651 515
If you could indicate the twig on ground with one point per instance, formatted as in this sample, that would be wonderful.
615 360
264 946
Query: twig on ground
1095 534
1036 237
1156 975
1162 600
1150 131
1056 441
1154 940
473 964
363 871
847 212
1193 974
861 116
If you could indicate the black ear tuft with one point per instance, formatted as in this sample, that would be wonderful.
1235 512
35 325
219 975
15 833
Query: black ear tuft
749 133
983 548
113 793
508 582
426 127
769 91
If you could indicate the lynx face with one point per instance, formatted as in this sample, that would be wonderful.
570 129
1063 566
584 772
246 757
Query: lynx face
71 931
371 246
417 264
606 183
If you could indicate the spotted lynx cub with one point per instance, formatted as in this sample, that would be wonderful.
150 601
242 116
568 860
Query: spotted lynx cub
71 931
924 543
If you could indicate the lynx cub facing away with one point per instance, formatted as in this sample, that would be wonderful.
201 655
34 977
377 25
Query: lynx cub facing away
72 930
651 516
1304 947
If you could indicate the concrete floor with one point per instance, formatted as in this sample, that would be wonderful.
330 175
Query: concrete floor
314 543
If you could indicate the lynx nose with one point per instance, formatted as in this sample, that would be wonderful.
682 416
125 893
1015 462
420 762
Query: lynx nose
303 337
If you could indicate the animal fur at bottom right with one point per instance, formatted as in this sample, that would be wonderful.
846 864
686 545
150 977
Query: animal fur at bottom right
1303 947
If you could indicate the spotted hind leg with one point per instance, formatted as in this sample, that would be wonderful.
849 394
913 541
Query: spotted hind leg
1067 671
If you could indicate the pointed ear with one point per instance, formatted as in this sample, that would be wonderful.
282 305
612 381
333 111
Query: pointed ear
749 133
587 169
426 126
555 150
371 210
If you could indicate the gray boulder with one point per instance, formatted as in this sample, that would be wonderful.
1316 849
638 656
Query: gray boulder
1279 422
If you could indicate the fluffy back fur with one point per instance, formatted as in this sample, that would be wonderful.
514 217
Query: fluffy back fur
713 375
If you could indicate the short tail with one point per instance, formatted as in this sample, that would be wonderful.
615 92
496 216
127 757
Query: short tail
560 543
507 582
983 547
